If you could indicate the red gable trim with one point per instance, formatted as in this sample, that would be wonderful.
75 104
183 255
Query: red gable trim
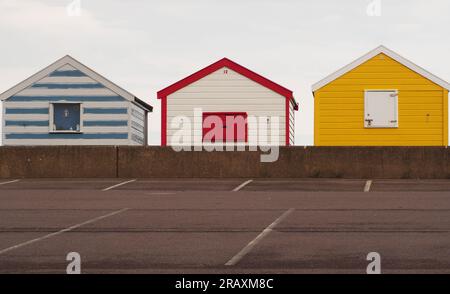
225 62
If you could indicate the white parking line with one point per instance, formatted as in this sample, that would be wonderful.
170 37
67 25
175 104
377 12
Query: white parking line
62 231
255 241
238 188
368 186
118 185
10 182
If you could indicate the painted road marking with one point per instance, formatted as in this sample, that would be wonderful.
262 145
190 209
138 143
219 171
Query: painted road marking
62 231
118 185
238 188
258 239
368 186
10 182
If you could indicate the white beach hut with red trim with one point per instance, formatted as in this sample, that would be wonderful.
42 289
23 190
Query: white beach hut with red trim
226 89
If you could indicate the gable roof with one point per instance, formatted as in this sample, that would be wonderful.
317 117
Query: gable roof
382 49
81 67
225 62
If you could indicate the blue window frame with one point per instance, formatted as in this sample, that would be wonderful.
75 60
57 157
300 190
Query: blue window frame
67 117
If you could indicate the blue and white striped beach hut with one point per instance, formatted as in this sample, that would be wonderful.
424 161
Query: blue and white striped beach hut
67 103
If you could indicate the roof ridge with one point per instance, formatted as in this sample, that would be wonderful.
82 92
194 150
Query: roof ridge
225 62
381 49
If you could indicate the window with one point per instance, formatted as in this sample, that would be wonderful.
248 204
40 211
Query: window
66 117
381 109
224 127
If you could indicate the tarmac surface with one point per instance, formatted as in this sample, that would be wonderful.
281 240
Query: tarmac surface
224 225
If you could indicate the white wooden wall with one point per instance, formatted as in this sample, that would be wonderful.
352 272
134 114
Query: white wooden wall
227 92
291 124
137 125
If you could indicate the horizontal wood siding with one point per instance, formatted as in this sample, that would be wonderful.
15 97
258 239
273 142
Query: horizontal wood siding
106 117
231 92
137 126
339 108
291 124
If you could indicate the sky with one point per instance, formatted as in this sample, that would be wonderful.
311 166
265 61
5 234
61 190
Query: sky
146 45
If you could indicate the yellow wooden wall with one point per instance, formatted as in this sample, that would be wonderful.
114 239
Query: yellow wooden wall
422 108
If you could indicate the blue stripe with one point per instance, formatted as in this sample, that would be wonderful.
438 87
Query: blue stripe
68 86
67 73
26 111
106 110
105 123
27 123
71 98
67 136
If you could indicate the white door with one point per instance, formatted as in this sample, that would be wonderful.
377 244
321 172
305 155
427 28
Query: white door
381 109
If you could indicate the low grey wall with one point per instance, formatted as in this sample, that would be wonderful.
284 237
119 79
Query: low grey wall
58 162
294 162
157 162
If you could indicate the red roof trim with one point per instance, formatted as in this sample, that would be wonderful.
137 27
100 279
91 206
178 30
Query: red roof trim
225 62
164 122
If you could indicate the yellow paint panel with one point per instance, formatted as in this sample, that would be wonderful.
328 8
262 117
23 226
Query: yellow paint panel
372 85
445 116
422 108
382 132
421 120
430 106
342 107
357 94
380 69
379 143
411 100
403 81
381 60
381 75
377 137
356 125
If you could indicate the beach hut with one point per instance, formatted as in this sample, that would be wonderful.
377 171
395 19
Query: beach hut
226 90
381 99
67 103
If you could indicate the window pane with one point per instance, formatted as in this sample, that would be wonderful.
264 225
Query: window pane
66 117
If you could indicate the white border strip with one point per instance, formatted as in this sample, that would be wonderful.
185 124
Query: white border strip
10 182
118 185
255 241
238 188
62 231
368 186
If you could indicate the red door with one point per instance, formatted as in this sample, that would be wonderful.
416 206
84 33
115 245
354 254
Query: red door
224 127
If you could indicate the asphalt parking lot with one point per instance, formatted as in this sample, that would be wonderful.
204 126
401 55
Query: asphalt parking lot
224 225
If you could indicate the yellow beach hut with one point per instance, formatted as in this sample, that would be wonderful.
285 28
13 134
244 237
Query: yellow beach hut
381 99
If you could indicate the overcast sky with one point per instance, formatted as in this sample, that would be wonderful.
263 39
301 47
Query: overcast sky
144 46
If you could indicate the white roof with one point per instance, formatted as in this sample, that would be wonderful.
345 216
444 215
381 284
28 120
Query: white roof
76 64
374 53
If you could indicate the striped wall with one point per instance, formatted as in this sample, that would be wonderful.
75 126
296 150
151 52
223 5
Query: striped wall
106 117
138 125
291 124
227 91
